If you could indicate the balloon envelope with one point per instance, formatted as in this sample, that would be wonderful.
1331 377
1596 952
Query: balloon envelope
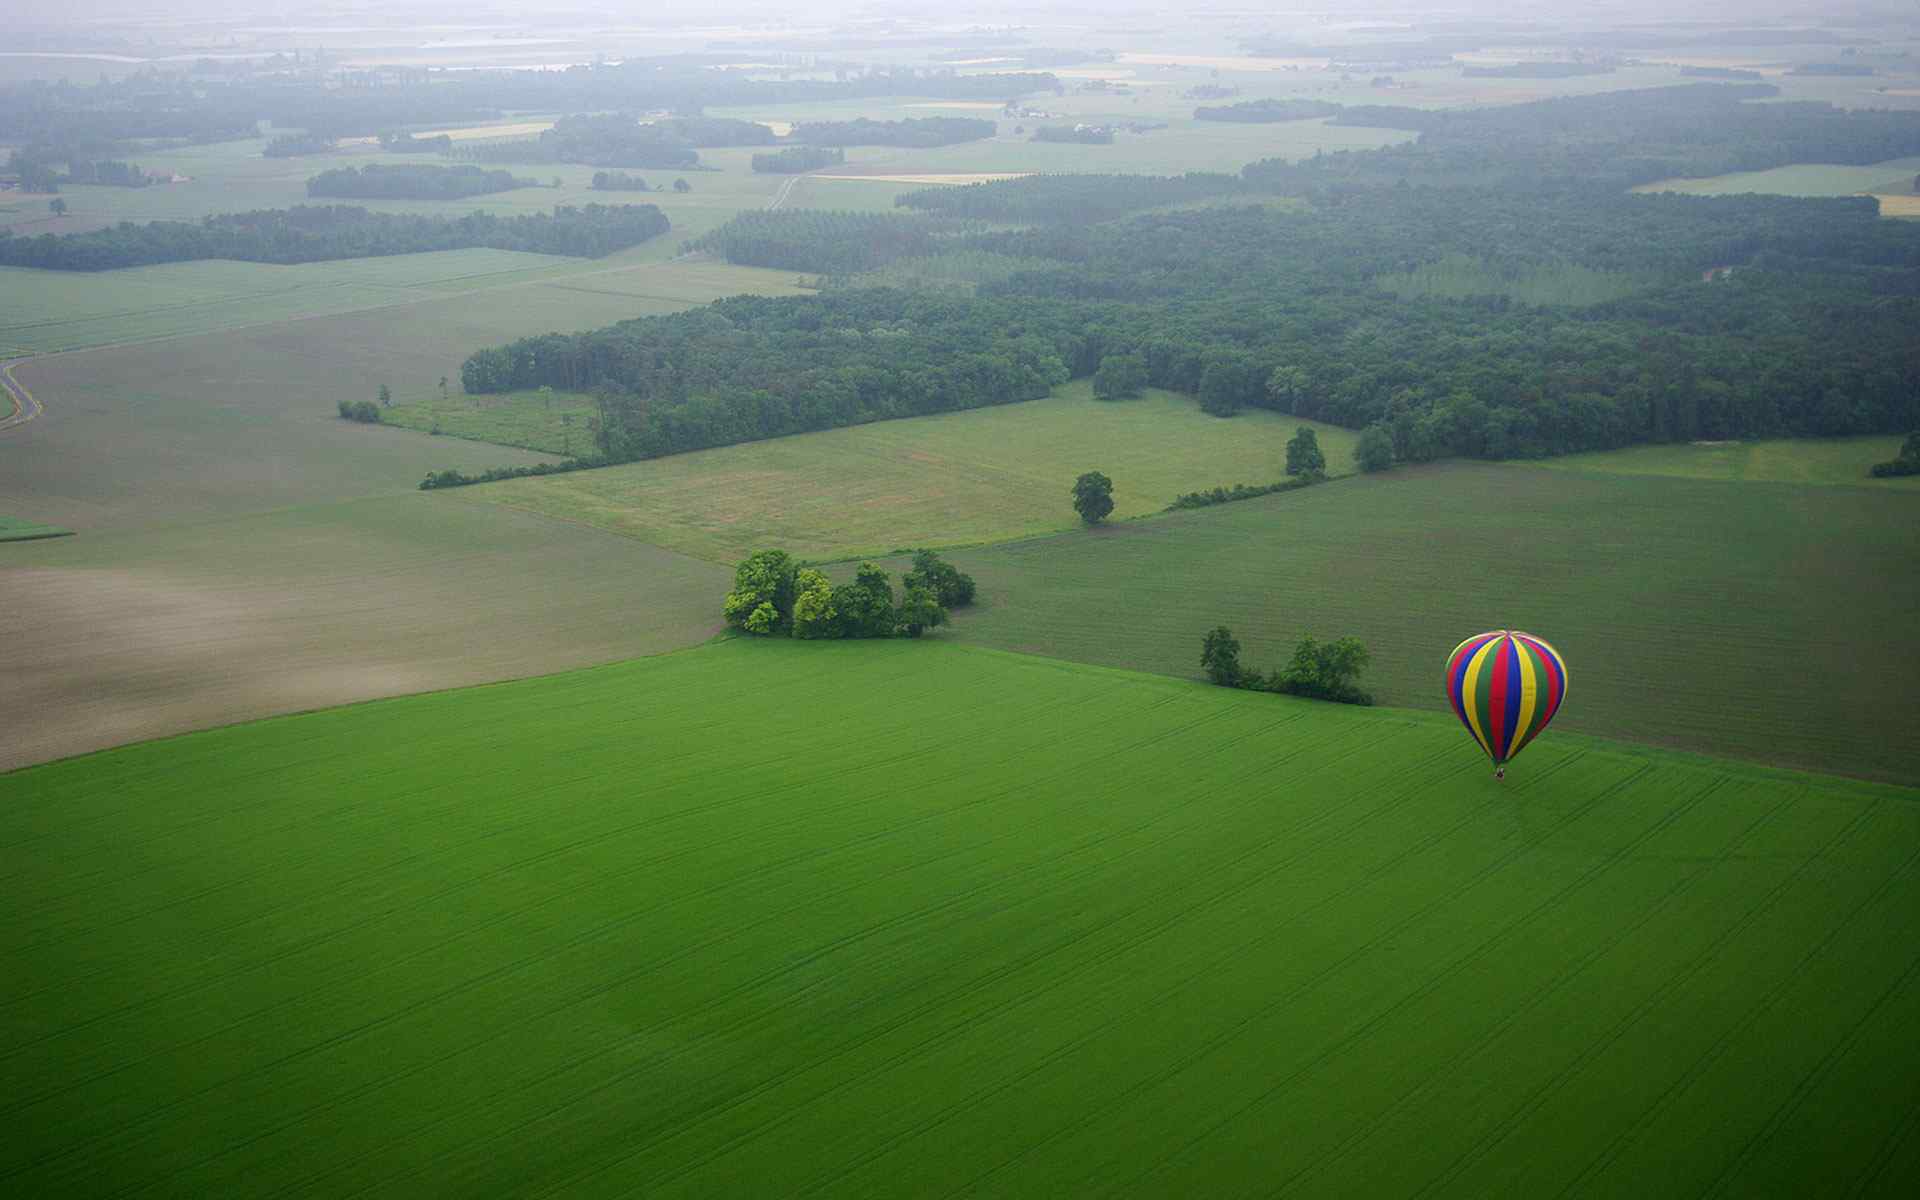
1505 686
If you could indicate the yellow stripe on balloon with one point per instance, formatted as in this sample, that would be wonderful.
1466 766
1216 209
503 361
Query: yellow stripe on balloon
1469 684
1529 695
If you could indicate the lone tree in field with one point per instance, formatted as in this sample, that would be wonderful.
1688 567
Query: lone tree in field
1375 449
1093 497
386 396
57 207
1303 455
681 185
1120 377
1220 657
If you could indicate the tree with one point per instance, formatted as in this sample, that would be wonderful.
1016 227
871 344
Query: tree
1120 377
681 185
762 597
1375 449
1324 672
57 207
443 387
1303 455
1093 497
1220 657
919 611
865 606
1230 380
949 586
813 613
1907 462
386 396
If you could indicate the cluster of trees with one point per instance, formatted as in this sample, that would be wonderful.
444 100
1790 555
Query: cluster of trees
1070 199
1317 670
773 595
319 233
618 181
109 172
796 160
1907 462
1085 135
916 132
1737 73
754 367
294 145
36 169
360 410
1263 111
412 181
406 143
831 243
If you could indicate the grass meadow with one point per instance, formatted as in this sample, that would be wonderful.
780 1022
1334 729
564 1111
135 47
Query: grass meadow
955 479
1843 461
779 918
1769 622
1801 179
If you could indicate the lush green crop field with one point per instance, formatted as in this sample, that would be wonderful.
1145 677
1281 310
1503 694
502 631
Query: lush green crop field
913 919
1801 179
983 475
19 529
1771 623
1808 460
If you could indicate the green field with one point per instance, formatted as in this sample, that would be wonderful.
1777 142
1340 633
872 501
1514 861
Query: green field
19 529
744 921
1801 179
960 478
1770 623
1804 460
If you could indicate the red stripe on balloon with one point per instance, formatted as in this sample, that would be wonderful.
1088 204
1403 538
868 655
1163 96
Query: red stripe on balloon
1498 731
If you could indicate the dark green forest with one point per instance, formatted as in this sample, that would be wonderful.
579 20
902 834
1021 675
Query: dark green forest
1286 308
795 160
309 233
830 243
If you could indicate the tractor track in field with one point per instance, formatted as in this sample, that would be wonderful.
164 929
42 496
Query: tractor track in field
25 407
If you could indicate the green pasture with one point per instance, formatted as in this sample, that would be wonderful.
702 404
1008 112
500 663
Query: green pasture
1770 623
1802 179
19 529
915 919
959 478
1789 460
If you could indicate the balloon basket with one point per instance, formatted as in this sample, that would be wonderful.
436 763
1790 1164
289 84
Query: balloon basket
1499 772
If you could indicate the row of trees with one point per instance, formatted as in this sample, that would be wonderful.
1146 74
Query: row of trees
916 132
1318 670
1070 199
797 160
774 595
412 181
1266 111
619 181
317 233
295 145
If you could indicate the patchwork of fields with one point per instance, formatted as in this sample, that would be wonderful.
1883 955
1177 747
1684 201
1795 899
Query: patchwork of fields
1720 617
730 921
982 475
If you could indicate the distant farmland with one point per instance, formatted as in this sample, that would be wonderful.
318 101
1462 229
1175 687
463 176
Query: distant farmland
1770 621
751 919
976 476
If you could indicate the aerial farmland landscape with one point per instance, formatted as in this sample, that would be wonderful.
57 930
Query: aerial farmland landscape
878 600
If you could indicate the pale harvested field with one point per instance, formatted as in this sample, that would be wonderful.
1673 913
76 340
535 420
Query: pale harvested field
1899 206
126 636
1223 62
472 132
1900 91
983 105
961 177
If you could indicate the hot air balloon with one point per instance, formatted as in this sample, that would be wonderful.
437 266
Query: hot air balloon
1505 686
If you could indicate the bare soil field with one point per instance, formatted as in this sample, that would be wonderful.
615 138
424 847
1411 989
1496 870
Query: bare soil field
119 637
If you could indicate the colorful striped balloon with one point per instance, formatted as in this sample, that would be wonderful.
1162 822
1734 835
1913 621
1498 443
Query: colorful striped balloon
1505 686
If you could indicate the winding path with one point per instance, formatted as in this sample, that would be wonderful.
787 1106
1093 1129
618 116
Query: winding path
25 407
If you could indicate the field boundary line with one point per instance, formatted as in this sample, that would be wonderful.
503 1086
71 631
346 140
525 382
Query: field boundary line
25 407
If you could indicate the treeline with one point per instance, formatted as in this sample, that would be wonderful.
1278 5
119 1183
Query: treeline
1538 70
407 143
795 160
1263 111
295 145
412 181
1611 141
810 239
916 132
752 367
108 172
321 233
1317 670
1071 199
155 103
618 181
1086 135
